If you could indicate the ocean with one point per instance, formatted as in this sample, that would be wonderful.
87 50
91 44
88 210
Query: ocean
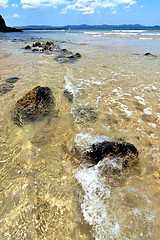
47 189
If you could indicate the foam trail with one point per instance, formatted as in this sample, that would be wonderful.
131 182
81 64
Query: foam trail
95 204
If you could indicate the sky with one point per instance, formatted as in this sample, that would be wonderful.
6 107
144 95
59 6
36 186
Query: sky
75 12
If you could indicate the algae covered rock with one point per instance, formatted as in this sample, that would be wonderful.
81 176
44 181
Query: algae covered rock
98 151
36 103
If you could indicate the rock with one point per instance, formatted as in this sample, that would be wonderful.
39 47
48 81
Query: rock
98 151
78 55
27 47
35 103
49 43
12 80
46 47
37 44
150 54
68 95
35 49
6 87
64 50
4 28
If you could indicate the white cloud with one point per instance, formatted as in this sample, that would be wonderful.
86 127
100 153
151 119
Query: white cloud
3 3
82 6
114 12
34 4
15 15
14 5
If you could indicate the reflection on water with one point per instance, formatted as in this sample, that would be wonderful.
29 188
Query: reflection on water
46 191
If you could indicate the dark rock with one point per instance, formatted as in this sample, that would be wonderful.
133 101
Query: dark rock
150 54
64 50
46 47
37 44
28 47
68 95
35 103
49 43
4 28
6 87
71 56
98 151
78 55
35 50
12 80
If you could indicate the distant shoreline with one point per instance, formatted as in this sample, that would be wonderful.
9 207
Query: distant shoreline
91 27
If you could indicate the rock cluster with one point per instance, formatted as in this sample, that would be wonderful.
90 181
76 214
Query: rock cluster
63 55
4 28
34 104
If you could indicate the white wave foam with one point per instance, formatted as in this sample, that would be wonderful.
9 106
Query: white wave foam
95 204
86 139
70 87
140 100
148 111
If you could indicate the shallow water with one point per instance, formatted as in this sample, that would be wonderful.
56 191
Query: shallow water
46 191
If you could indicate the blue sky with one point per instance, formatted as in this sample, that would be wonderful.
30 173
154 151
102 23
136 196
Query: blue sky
64 12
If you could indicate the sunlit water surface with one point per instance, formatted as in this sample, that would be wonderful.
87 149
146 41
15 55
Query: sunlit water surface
46 192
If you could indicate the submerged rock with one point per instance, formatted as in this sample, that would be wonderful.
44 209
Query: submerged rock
68 95
98 151
35 103
12 80
6 87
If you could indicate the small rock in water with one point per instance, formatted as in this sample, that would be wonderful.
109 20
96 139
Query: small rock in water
27 47
6 87
150 54
12 80
35 103
49 43
98 151
37 44
68 95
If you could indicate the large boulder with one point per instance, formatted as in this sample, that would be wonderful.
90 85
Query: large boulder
4 28
98 151
36 103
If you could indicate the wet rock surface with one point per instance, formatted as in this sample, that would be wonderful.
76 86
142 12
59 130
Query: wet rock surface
36 103
98 151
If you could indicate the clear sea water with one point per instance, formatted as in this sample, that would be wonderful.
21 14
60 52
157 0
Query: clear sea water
46 191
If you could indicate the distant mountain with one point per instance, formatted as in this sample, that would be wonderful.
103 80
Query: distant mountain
41 27
92 27
112 27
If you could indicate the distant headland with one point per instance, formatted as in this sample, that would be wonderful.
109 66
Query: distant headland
4 28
